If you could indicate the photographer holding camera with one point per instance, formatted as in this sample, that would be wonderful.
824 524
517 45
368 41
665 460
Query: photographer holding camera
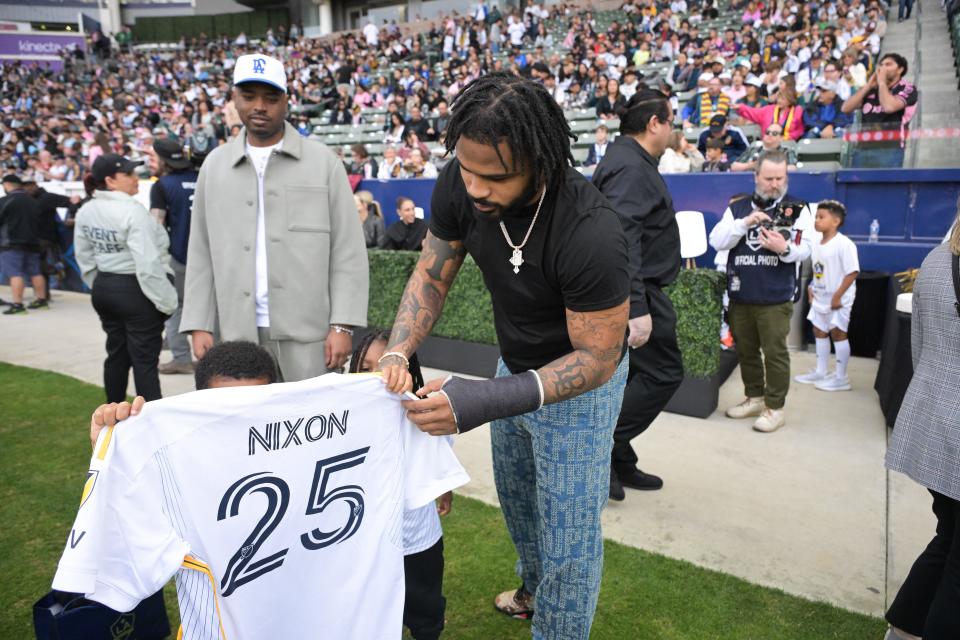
768 236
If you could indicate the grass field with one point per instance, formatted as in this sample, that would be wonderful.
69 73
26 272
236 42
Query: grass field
43 430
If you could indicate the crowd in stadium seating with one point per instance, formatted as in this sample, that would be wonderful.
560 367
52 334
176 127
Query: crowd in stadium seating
734 73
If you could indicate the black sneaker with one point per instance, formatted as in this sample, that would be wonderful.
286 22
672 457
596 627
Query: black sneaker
616 489
15 309
39 303
4 303
640 480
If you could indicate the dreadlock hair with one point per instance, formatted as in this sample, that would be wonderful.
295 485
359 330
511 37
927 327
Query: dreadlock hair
503 107
360 353
643 105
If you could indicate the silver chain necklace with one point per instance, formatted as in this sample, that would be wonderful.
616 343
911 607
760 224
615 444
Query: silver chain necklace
517 258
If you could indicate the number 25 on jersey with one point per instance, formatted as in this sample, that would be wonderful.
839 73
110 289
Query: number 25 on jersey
242 567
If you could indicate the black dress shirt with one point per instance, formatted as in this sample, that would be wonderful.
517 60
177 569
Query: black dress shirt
629 178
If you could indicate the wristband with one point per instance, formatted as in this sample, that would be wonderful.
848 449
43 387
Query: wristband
406 362
476 402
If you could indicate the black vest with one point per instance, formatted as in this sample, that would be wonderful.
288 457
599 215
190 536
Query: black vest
754 274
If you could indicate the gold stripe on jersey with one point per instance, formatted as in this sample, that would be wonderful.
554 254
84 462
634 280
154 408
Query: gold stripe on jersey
105 443
189 562
88 486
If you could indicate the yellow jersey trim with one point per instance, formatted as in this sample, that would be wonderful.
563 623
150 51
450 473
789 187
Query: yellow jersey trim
105 443
189 562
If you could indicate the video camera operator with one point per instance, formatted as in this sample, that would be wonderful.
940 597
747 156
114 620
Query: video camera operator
768 236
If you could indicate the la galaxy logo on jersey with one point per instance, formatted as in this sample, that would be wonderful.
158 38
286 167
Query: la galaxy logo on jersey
88 486
818 272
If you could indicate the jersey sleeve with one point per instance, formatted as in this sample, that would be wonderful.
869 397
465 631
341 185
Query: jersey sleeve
850 260
122 547
908 93
77 571
430 467
144 551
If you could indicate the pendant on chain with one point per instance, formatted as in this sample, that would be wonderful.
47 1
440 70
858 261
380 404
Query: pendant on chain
516 260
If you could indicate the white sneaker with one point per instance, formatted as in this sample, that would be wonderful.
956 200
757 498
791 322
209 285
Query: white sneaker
770 420
749 407
833 383
810 377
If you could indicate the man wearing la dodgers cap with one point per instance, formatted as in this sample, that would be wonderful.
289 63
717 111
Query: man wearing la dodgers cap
276 253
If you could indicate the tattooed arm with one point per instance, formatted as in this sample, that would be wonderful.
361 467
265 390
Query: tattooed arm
421 305
597 339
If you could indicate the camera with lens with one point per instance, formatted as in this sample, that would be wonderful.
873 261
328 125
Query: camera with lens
782 216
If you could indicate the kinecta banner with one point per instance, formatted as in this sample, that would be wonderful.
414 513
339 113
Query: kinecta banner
38 46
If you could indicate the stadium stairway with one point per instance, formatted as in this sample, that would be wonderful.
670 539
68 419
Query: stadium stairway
924 40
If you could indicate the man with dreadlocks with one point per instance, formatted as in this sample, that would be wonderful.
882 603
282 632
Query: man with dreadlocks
553 256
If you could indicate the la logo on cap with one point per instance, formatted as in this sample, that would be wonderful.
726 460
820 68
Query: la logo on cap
259 66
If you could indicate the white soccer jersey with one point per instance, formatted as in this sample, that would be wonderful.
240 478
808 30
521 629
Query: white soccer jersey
831 263
280 505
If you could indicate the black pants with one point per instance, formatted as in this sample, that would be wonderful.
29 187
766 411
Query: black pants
928 603
134 329
656 371
424 606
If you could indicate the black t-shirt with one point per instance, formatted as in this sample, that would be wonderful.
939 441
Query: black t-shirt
576 258
405 237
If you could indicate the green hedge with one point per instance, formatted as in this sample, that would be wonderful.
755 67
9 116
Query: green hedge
697 297
468 313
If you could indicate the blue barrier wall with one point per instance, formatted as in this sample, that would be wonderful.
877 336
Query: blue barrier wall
915 207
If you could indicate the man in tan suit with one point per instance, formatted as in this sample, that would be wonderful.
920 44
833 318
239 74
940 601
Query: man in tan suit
276 253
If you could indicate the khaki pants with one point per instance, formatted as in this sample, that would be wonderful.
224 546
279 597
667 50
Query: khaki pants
763 327
296 360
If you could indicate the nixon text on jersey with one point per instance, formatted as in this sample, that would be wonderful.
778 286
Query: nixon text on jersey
274 436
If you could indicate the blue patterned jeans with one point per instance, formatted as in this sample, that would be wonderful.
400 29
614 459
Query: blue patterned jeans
552 471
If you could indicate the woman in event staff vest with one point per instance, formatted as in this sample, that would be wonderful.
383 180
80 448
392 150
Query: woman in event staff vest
123 256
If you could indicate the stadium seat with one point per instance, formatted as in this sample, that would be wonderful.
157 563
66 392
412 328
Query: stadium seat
581 114
819 150
752 131
582 126
830 166
693 234
693 134
585 139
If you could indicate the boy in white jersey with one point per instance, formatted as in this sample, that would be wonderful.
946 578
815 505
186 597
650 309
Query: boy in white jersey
239 364
831 294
